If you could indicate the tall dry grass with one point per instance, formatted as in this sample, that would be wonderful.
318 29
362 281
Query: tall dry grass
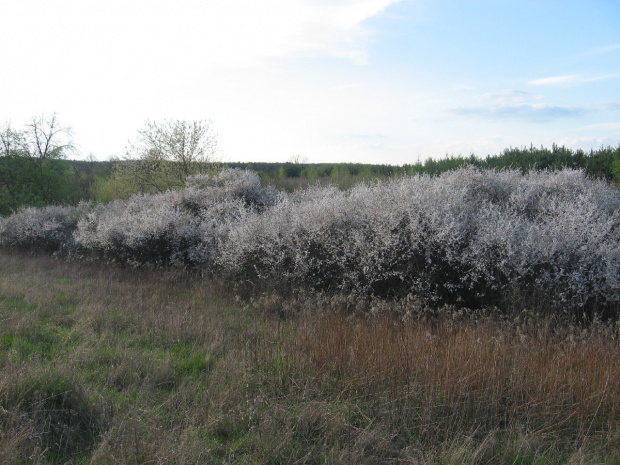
106 365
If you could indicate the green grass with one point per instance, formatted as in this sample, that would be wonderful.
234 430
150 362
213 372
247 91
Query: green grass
104 365
17 304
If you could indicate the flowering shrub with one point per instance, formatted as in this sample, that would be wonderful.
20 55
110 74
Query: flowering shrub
467 237
144 228
174 227
203 190
49 229
557 234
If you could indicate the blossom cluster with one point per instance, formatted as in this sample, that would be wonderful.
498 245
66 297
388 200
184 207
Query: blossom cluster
175 227
50 228
467 236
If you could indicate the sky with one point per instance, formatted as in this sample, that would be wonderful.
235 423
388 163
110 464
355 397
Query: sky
363 81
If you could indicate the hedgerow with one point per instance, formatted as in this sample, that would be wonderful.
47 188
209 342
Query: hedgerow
467 237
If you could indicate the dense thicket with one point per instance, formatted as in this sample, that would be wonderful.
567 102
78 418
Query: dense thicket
467 237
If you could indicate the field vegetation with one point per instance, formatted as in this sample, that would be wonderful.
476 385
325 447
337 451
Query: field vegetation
103 364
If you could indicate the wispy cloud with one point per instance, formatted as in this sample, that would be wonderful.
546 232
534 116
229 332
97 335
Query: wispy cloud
510 97
607 106
518 104
571 79
554 80
537 112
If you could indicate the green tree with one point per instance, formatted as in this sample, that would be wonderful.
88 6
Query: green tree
310 172
615 169
32 166
335 174
165 154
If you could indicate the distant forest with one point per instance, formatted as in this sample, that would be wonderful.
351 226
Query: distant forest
25 181
596 163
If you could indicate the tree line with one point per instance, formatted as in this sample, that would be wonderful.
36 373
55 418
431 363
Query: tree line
35 169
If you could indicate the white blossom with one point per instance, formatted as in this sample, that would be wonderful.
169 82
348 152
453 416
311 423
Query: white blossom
468 236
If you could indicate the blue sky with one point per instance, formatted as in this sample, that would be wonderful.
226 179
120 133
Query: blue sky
373 81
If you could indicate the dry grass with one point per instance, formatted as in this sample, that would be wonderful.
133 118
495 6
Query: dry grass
105 365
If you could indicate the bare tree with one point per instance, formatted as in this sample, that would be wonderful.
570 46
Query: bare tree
46 139
43 138
298 159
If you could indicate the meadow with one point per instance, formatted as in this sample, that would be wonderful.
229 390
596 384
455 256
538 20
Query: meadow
466 318
103 364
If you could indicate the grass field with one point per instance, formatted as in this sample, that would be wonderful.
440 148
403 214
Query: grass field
105 365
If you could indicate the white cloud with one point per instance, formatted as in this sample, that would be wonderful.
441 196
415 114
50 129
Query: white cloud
571 79
510 97
554 80
518 104
273 28
539 112
159 33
